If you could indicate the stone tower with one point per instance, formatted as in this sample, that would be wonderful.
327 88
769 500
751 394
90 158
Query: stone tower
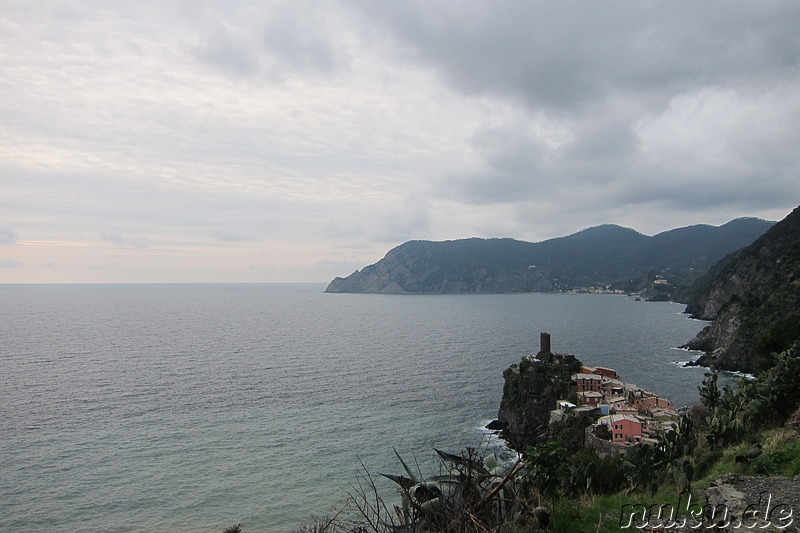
544 348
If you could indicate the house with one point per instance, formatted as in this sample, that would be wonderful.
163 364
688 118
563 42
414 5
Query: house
588 382
616 403
651 400
634 393
624 428
664 415
590 398
606 372
600 371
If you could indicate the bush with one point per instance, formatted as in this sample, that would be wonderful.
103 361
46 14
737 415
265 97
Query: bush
546 468
606 475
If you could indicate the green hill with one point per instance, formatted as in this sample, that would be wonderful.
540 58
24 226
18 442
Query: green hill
602 256
753 298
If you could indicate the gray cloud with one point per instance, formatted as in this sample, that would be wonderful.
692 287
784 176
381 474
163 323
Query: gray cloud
9 262
511 148
564 56
115 236
303 39
677 103
229 50
8 235
276 42
298 136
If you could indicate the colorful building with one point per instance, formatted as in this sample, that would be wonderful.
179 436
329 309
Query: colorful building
624 428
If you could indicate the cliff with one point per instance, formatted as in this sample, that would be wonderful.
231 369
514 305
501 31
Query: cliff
602 256
753 298
531 390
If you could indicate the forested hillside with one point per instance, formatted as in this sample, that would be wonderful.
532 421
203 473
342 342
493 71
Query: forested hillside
607 256
753 297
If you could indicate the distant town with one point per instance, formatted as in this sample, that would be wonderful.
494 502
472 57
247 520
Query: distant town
659 282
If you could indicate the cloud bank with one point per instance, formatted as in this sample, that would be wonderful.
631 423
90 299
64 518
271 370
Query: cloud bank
296 141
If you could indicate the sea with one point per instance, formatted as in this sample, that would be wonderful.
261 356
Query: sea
191 408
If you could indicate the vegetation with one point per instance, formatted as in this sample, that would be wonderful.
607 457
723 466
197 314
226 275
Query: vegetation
753 297
473 493
602 256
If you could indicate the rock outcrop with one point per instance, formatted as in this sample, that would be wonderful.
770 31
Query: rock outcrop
733 502
754 503
531 390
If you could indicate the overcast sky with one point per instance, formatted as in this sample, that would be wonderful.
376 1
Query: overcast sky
259 141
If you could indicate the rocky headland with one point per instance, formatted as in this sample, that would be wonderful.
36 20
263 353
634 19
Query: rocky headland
752 297
531 391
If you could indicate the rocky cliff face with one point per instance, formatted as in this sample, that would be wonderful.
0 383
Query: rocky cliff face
753 299
531 390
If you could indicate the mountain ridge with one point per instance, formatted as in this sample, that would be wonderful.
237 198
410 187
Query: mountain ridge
608 255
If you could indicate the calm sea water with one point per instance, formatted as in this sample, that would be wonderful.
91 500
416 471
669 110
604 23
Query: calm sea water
189 408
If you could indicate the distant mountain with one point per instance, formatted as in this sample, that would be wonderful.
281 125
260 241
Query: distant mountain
753 297
607 256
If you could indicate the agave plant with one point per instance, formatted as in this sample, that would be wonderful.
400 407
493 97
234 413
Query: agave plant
474 491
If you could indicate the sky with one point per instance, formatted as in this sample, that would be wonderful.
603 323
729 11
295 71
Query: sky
271 141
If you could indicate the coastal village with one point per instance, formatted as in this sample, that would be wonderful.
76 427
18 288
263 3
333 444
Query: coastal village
624 415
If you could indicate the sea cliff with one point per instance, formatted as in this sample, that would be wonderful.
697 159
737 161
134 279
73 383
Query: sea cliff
753 297
530 392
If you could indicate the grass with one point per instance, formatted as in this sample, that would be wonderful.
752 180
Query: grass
602 514
780 457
